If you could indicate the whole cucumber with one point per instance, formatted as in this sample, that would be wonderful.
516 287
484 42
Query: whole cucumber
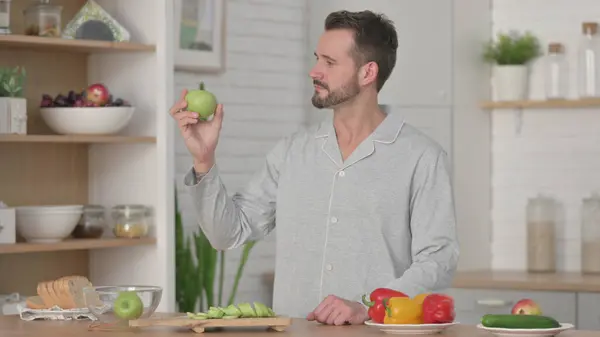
509 321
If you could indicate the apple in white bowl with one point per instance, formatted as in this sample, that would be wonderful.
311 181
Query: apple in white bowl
87 120
93 111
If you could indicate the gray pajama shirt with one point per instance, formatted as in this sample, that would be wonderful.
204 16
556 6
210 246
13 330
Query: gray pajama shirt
383 218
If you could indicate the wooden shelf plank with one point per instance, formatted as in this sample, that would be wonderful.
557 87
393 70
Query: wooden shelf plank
70 46
544 104
91 139
74 244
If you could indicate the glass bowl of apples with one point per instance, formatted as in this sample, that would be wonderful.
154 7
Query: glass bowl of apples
117 305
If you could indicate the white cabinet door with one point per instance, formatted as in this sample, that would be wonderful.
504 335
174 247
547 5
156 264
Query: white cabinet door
472 304
588 311
422 75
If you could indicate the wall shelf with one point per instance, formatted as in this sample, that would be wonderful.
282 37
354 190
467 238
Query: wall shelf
92 139
72 46
544 104
74 244
133 167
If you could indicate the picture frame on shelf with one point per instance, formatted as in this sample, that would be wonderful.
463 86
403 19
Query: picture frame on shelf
200 35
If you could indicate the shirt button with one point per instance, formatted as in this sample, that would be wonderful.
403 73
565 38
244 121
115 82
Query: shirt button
329 267
333 219
342 174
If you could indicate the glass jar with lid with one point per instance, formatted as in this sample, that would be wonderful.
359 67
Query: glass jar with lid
130 221
43 19
557 80
590 235
5 17
541 234
92 223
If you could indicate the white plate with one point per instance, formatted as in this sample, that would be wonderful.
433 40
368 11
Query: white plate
411 329
502 332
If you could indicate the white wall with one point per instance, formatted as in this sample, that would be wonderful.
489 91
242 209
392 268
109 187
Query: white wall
262 93
558 151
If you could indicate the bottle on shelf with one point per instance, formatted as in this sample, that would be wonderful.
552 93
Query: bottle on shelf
588 76
590 235
556 72
541 234
5 17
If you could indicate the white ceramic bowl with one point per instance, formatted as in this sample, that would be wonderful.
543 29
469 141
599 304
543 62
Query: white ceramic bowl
87 120
47 224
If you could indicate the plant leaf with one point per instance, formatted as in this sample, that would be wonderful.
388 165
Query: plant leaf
245 254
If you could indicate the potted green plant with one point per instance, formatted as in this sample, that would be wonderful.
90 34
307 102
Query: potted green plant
13 106
511 54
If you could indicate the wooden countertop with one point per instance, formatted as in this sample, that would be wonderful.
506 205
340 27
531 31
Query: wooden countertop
13 326
520 280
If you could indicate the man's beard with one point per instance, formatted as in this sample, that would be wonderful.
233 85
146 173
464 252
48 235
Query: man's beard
333 98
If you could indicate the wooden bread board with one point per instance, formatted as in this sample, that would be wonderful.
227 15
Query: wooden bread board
277 323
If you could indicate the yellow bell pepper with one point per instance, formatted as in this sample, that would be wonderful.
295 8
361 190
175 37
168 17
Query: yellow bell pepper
420 298
402 310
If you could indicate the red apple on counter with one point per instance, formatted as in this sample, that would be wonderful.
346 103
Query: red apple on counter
526 307
98 94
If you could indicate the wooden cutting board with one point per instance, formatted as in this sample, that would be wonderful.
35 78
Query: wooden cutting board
278 323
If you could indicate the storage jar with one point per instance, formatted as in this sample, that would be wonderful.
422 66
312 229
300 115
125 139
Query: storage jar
590 235
130 221
541 234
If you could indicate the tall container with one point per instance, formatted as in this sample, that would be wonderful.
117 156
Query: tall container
588 76
557 79
541 234
590 235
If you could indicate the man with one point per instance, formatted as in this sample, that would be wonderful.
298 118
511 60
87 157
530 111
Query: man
360 201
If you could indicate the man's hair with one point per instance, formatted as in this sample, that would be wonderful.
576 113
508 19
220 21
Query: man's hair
375 39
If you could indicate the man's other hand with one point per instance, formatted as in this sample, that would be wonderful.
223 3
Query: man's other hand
338 311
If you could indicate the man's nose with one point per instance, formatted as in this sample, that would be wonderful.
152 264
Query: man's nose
315 74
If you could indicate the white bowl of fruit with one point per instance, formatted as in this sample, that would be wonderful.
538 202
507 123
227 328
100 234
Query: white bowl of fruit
91 112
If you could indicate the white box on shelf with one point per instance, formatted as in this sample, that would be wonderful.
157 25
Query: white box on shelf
13 115
8 225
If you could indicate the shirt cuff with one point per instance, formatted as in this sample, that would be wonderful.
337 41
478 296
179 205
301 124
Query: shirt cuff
193 178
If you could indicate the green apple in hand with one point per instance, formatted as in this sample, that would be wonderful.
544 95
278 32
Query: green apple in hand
203 102
128 305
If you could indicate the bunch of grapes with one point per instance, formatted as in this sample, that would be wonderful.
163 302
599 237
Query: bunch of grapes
77 99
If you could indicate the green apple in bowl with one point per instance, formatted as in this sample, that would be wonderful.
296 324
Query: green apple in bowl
123 303
128 305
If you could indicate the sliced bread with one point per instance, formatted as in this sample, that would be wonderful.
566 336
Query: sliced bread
35 302
44 295
65 292
73 287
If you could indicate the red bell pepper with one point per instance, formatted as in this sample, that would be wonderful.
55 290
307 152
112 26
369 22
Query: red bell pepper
376 307
438 308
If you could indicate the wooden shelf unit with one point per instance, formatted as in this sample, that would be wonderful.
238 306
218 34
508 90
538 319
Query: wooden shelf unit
69 46
74 244
42 168
92 139
544 104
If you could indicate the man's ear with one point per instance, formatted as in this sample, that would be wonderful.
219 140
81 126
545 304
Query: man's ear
368 73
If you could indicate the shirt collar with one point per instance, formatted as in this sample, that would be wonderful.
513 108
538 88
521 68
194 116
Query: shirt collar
387 132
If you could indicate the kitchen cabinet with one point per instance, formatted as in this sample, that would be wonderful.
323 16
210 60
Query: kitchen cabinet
588 311
471 304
